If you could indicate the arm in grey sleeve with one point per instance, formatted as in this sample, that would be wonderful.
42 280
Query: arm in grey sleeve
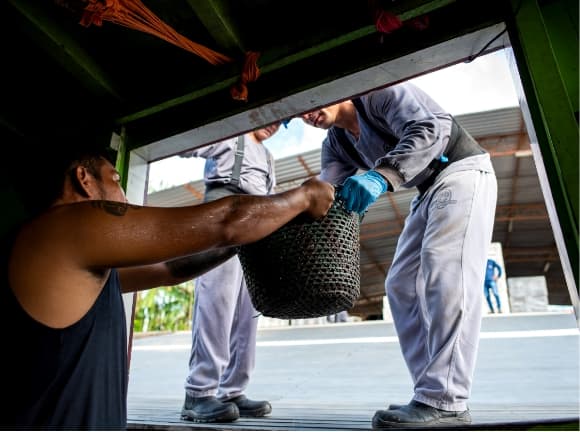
421 126
334 168
202 152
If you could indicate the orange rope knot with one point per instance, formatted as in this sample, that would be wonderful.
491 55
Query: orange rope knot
250 73
97 11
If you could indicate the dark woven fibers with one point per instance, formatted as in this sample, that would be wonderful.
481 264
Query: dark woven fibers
307 268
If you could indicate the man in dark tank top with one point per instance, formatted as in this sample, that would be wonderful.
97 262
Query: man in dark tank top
82 245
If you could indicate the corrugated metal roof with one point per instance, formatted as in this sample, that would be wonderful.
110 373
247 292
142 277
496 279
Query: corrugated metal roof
503 121
502 133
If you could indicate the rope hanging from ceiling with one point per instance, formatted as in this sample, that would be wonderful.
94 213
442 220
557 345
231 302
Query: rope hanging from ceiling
250 73
387 22
135 15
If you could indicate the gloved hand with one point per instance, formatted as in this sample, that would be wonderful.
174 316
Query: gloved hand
360 191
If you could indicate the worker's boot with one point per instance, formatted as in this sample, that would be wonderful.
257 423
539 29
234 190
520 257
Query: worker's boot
417 414
208 409
250 408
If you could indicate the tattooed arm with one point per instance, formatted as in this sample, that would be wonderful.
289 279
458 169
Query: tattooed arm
193 265
62 259
175 271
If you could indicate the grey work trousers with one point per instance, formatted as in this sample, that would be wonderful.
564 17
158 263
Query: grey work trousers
434 283
223 330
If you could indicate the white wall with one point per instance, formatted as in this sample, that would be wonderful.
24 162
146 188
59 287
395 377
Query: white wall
528 294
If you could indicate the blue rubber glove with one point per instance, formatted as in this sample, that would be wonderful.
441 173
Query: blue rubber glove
359 191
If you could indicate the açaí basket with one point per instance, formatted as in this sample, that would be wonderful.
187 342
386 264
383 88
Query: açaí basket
306 269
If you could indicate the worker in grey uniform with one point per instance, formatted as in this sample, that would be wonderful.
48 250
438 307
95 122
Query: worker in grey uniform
399 137
224 320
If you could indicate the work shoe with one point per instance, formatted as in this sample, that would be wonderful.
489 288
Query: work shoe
251 408
208 409
417 414
395 406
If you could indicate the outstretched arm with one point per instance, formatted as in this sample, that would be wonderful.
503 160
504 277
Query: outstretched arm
98 235
145 235
61 260
175 271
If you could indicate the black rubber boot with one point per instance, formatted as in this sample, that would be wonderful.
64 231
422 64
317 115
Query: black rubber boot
251 408
417 414
208 409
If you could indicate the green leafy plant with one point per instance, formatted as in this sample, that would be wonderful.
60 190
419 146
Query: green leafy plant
165 308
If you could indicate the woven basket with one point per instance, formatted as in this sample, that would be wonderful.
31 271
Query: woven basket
307 268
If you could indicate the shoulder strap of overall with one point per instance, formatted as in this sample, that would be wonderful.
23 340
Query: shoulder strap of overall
238 158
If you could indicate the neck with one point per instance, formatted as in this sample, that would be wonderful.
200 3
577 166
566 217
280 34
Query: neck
347 118
253 137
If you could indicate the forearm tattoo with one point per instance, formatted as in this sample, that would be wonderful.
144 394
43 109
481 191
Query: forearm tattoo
199 263
113 207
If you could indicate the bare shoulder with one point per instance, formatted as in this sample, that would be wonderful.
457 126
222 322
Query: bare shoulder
113 207
46 275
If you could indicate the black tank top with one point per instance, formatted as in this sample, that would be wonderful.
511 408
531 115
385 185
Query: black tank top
71 378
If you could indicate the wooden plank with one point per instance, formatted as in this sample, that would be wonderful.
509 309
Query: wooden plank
330 418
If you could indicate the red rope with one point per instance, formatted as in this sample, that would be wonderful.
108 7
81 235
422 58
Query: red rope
387 22
418 23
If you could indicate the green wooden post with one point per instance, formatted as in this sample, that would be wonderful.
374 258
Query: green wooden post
122 157
544 36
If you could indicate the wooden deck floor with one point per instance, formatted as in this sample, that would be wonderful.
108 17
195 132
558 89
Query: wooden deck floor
343 418
334 378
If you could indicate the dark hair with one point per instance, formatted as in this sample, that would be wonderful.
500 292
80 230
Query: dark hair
52 167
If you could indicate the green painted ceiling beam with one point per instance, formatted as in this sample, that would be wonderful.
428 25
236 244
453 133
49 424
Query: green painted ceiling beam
211 13
67 52
215 16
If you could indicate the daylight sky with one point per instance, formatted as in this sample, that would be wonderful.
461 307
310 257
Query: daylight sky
482 85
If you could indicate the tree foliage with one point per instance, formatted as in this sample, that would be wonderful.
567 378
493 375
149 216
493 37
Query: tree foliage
165 308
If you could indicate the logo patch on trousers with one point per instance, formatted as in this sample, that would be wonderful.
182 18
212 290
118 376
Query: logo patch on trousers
444 198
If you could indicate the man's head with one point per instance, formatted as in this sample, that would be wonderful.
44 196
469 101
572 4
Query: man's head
322 118
68 174
266 132
92 176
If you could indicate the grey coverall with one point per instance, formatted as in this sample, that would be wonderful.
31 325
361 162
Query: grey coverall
224 320
434 283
